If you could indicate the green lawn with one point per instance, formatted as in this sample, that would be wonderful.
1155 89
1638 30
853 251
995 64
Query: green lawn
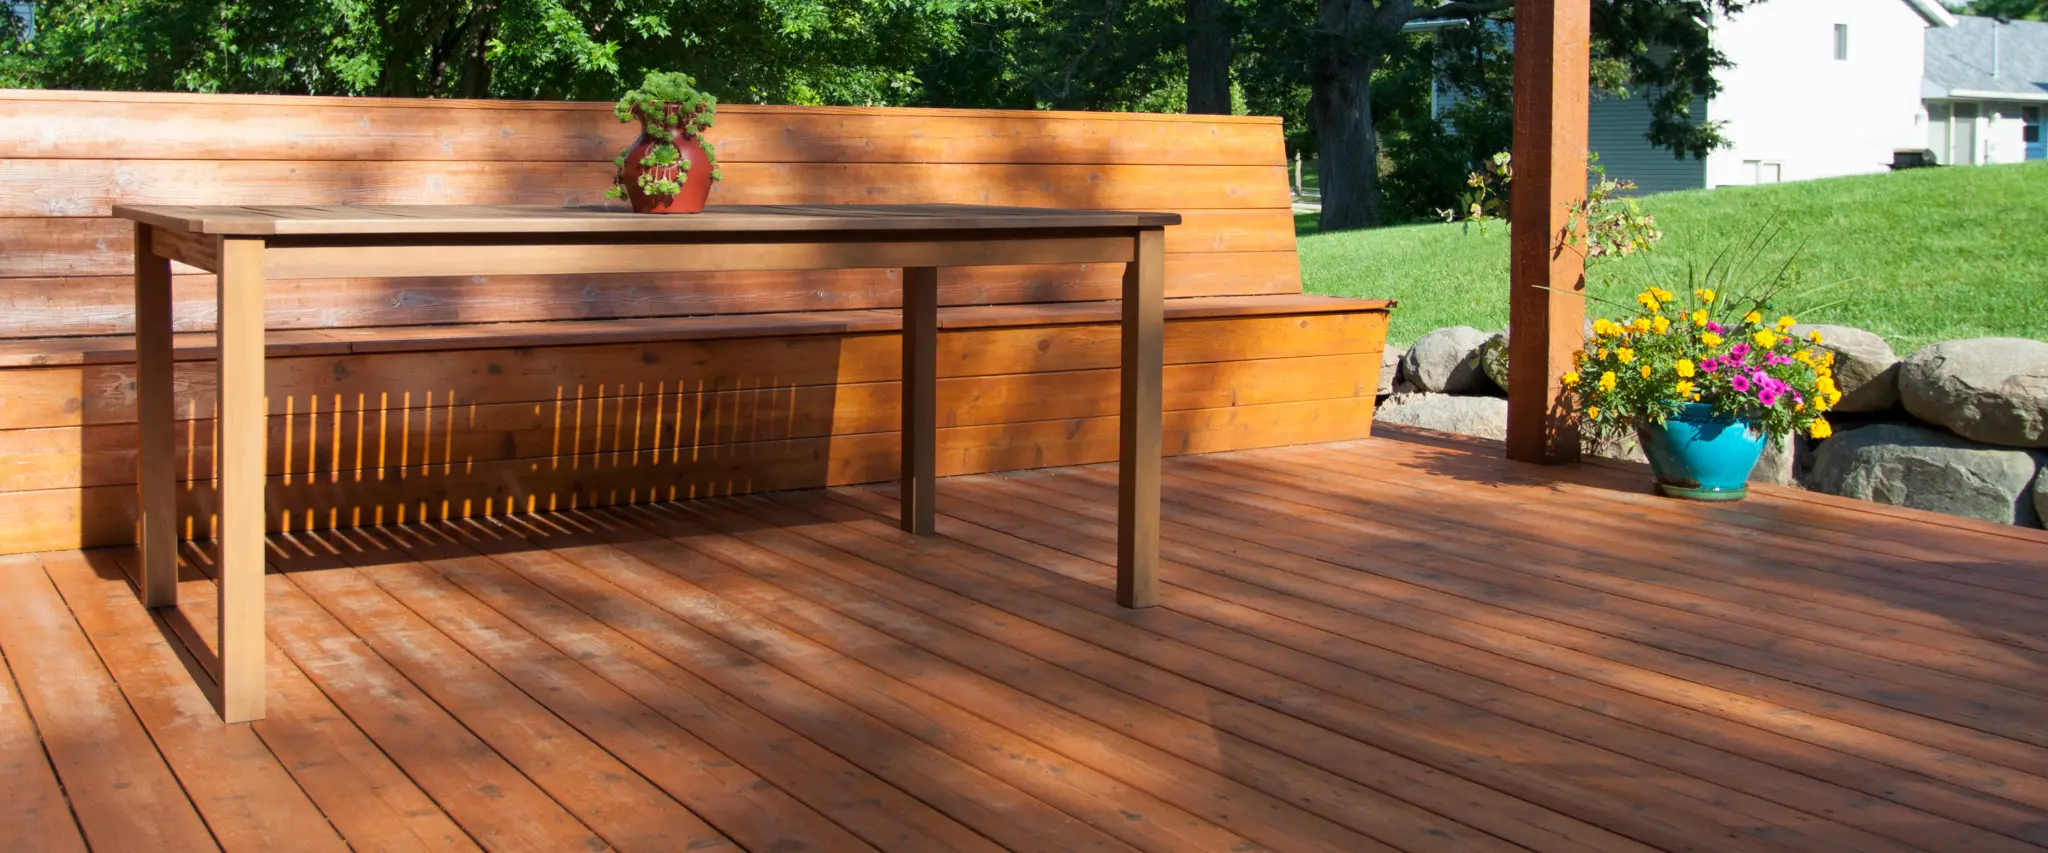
1917 256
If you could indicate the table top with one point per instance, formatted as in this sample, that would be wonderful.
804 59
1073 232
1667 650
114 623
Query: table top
324 220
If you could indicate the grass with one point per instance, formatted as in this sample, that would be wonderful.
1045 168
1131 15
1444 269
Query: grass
1918 256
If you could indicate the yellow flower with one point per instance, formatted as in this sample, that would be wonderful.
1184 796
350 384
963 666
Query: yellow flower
1646 371
1820 428
1607 381
1625 354
1710 339
1602 354
1752 317
1699 318
1826 359
1804 356
1820 403
1570 379
1765 338
1602 328
1786 322
1685 369
1592 411
1813 336
1706 295
1642 324
1662 294
1684 388
1662 324
1834 397
1824 384
1648 299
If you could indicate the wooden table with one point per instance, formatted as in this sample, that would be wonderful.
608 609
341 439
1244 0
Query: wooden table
247 245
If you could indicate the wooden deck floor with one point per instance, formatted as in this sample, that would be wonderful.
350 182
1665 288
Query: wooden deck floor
1379 645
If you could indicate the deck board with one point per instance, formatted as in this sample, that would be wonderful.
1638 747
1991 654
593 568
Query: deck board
1384 645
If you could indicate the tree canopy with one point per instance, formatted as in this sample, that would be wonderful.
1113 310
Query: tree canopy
1352 85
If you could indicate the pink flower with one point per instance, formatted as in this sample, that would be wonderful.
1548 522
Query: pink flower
1775 359
1740 383
1739 350
1716 328
1768 397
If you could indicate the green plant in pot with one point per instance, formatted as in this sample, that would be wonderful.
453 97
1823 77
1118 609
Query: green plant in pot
670 168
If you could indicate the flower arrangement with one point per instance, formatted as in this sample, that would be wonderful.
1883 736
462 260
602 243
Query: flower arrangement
1707 350
668 107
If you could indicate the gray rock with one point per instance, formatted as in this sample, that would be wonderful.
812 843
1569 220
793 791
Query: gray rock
1866 370
1624 447
1390 368
1928 469
1482 417
1442 361
1493 360
1993 390
1779 465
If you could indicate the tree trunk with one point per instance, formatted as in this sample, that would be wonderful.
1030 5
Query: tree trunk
1348 150
1208 58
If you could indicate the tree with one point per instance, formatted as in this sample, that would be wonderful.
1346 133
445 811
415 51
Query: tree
1339 46
1208 52
2011 10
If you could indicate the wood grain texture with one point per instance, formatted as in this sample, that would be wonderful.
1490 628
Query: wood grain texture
1138 435
920 383
241 452
155 413
36 815
722 220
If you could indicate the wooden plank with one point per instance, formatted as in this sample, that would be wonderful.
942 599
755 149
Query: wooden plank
1547 279
247 798
101 246
101 394
512 257
238 127
241 453
1139 413
617 803
851 796
964 587
323 437
920 394
35 815
798 587
193 250
358 789
1058 778
123 794
93 187
155 436
378 223
1005 815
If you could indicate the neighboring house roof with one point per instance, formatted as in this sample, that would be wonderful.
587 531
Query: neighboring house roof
1960 60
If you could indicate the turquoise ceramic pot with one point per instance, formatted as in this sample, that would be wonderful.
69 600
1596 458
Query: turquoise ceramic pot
1696 455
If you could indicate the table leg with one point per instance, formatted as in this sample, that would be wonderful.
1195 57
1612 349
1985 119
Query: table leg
156 507
240 449
920 393
1144 355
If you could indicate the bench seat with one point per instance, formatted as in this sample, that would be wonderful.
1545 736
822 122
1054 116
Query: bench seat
120 349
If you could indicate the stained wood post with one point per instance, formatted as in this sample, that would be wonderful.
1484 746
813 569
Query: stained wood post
1144 350
1547 281
243 432
920 398
155 425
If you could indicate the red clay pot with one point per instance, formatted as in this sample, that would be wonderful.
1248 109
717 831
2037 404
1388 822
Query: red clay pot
696 187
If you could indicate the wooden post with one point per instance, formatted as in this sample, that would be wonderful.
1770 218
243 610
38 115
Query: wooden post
243 431
1144 350
1547 280
156 507
920 403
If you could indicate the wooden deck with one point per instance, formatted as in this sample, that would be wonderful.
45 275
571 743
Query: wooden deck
1377 645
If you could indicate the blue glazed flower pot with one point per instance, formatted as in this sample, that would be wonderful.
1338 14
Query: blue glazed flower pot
1698 456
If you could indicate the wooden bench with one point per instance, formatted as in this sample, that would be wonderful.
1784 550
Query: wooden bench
395 400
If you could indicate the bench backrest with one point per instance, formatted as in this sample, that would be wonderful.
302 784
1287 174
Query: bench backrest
67 157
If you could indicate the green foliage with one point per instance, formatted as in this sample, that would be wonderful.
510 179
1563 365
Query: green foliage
668 106
1895 254
1603 225
2021 10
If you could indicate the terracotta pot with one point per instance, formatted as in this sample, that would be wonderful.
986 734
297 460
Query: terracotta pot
696 185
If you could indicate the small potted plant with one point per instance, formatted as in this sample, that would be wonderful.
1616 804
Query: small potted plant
1703 383
670 167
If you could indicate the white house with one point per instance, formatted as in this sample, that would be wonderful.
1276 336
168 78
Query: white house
1818 88
1986 90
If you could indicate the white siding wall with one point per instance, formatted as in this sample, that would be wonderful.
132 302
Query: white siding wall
1615 131
1789 101
2004 129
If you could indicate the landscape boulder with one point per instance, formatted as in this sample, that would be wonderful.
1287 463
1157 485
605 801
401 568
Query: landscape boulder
1443 361
1779 465
1993 390
1493 360
1390 368
1481 417
1928 469
1866 369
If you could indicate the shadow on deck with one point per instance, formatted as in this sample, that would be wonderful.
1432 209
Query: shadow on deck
1377 645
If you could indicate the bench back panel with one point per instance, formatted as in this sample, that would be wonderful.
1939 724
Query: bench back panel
70 156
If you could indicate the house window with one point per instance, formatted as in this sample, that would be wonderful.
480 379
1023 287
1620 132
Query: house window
1765 171
1841 42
